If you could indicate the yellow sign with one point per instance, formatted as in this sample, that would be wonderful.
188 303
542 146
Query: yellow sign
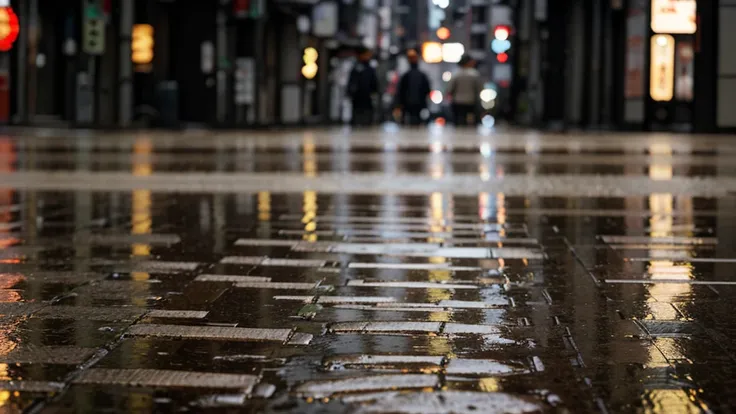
142 44
662 68
310 68
674 16
432 52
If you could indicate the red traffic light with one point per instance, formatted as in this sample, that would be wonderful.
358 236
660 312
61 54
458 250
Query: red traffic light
9 28
502 32
502 57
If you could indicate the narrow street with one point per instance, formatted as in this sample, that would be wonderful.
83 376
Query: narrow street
379 271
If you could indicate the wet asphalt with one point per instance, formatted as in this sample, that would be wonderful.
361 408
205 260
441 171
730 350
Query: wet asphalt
381 271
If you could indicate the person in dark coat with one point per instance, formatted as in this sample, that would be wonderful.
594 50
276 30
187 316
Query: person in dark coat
362 87
413 91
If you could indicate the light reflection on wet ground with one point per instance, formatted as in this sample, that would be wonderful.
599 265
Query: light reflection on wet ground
334 301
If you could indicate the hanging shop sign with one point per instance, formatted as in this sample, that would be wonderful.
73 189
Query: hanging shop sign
662 68
636 33
674 16
684 71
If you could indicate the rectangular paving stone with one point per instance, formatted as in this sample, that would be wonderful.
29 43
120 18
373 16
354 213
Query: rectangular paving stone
293 262
175 314
403 327
658 240
210 332
464 328
348 326
166 379
153 266
517 253
488 303
668 281
300 338
231 279
32 386
481 367
267 242
413 266
277 285
106 314
34 354
395 308
243 260
411 285
126 239
355 299
324 389
382 360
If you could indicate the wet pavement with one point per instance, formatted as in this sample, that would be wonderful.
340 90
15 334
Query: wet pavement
377 271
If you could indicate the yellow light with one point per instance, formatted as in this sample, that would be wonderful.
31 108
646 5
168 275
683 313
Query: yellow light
309 70
432 52
443 33
142 44
310 55
662 68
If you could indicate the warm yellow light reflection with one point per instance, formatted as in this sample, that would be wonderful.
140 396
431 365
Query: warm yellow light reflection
264 206
489 384
141 221
501 212
661 224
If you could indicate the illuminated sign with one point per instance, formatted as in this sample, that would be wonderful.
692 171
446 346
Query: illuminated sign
452 52
662 68
674 16
142 44
309 70
9 28
432 52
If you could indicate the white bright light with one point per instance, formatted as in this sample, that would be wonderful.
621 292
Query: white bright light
662 41
501 33
452 52
487 95
447 76
488 121
436 97
442 4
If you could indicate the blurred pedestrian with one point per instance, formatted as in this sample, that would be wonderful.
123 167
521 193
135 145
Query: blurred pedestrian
413 91
362 88
465 88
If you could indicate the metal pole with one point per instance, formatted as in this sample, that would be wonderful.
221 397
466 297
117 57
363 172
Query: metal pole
125 74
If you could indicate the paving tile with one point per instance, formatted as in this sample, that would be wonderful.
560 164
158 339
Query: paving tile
166 379
456 402
355 299
411 285
324 389
34 354
364 360
403 327
482 367
658 240
243 260
32 386
488 303
163 266
107 314
276 285
232 279
414 266
465 328
175 314
266 242
210 332
128 239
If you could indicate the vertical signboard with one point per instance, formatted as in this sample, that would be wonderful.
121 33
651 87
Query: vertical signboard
674 16
684 71
636 30
244 81
662 68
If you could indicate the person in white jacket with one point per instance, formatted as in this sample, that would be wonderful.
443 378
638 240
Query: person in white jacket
464 89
